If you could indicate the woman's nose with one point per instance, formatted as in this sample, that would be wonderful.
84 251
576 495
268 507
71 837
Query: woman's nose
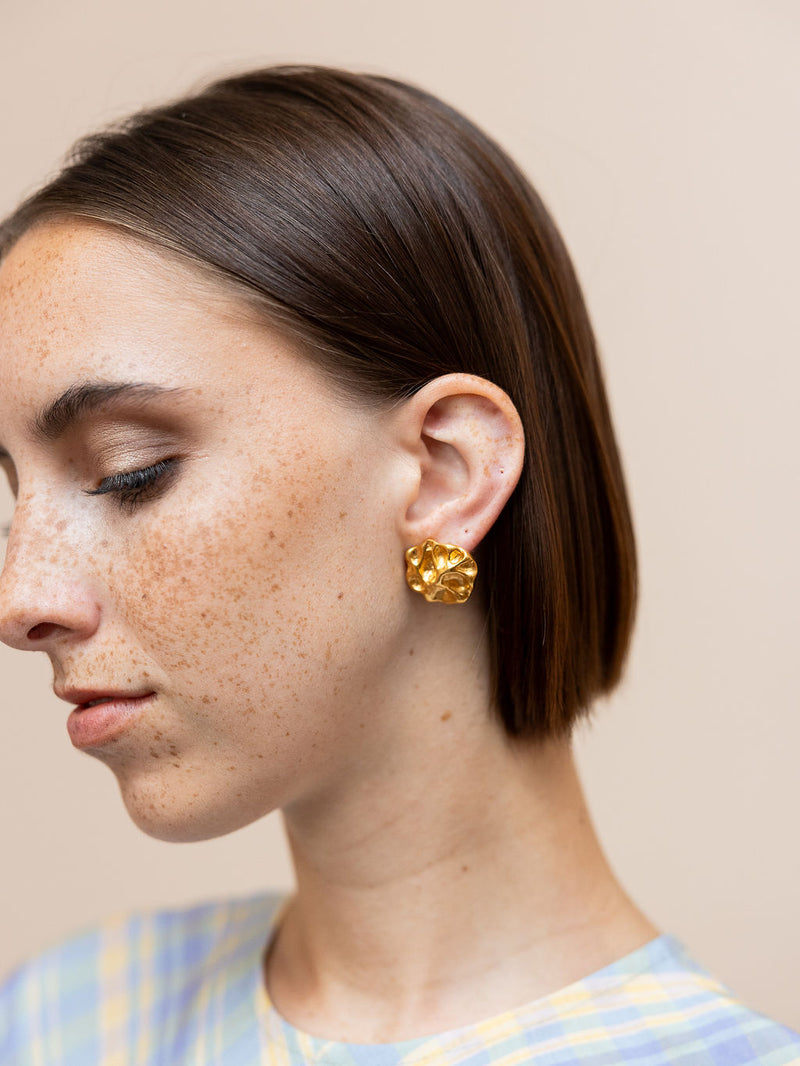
44 597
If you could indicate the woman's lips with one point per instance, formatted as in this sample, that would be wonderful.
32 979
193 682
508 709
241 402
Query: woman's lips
91 725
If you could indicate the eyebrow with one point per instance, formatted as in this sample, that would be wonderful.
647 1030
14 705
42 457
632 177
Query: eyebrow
92 397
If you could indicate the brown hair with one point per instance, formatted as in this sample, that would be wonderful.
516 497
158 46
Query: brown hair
401 243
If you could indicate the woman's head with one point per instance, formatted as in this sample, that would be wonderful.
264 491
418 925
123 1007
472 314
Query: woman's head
388 245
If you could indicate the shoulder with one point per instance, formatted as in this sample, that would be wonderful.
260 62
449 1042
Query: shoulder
659 1005
133 970
654 1007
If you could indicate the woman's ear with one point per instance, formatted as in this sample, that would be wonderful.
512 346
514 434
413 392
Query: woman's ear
465 440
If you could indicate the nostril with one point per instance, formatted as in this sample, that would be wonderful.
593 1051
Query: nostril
41 631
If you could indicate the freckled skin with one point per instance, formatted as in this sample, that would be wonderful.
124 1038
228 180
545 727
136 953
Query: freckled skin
261 596
230 595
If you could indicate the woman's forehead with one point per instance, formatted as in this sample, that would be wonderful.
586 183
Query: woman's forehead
86 301
77 311
77 260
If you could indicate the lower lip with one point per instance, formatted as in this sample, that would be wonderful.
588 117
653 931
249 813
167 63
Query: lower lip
92 727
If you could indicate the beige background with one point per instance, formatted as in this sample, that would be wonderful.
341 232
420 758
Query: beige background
664 138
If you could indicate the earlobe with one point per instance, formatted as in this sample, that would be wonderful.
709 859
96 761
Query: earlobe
466 437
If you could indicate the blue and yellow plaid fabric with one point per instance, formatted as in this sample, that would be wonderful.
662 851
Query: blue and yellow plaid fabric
184 988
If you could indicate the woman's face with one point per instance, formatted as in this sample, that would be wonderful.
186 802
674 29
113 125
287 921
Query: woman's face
245 584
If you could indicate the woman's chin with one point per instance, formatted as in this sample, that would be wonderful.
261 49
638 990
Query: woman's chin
181 819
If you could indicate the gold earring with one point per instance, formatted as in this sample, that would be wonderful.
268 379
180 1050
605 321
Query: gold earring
442 573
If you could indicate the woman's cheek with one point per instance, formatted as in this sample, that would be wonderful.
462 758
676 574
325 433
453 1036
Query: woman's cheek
209 572
254 593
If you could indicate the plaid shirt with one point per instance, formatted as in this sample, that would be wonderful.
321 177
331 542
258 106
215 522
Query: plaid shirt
184 988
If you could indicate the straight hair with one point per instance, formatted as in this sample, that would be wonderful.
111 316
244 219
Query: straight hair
400 243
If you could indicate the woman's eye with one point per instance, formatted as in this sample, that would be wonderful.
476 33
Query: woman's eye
136 486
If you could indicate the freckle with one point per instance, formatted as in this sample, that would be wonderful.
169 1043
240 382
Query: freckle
290 514
340 596
176 764
272 534
446 715
464 869
282 545
410 651
231 767
342 514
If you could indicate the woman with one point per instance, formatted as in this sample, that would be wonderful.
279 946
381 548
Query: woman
319 508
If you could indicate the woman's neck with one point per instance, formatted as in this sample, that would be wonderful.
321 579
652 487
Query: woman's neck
445 891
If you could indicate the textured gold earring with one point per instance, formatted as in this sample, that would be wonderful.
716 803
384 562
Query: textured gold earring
442 573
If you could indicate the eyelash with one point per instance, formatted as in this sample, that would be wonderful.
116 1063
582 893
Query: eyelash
136 486
131 488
